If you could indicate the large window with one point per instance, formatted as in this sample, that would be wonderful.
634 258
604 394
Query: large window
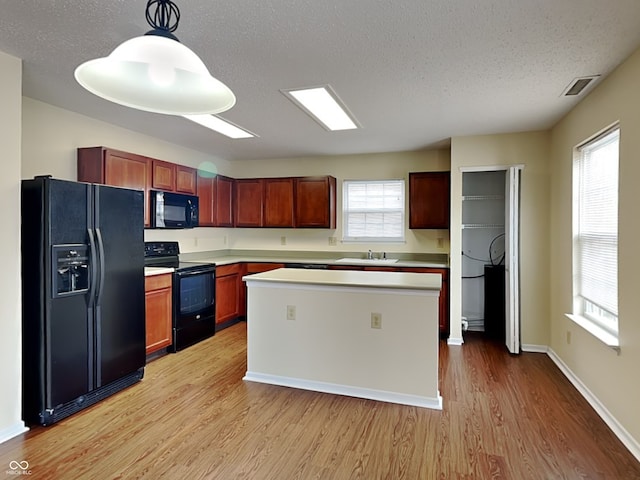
373 210
596 235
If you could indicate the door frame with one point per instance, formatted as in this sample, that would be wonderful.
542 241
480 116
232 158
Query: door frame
512 249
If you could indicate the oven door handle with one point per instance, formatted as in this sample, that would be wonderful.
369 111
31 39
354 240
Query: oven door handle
204 270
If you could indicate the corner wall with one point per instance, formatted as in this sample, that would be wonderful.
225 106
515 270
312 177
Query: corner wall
530 149
10 301
609 377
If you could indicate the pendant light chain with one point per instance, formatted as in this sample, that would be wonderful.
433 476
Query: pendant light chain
166 12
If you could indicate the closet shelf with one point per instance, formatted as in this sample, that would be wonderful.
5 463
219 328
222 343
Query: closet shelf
481 225
482 197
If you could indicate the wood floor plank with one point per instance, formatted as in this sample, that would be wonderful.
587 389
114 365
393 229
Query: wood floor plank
192 416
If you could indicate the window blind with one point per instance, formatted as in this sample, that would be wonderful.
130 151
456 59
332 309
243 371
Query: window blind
373 210
597 229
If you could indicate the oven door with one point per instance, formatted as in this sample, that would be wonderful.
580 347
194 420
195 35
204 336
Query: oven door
194 296
194 306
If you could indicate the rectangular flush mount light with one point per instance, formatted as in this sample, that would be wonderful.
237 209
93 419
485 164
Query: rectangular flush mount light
324 106
219 125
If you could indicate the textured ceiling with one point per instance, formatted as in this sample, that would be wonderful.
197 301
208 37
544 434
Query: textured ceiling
414 73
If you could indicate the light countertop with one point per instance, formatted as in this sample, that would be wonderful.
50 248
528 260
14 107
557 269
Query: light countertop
350 278
149 271
229 259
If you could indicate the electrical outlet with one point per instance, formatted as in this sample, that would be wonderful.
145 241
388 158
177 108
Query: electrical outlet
333 241
376 320
283 240
291 312
568 337
440 242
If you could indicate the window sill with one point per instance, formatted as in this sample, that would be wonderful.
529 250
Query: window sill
601 334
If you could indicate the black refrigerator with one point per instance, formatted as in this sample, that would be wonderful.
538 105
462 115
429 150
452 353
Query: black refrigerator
83 312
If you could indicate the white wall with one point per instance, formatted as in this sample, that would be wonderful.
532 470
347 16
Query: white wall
10 303
532 150
612 378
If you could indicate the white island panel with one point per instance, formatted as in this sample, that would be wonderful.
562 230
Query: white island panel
330 346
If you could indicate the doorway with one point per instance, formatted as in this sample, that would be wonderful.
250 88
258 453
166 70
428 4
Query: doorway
490 253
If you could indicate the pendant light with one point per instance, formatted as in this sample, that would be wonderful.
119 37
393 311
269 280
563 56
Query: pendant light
155 72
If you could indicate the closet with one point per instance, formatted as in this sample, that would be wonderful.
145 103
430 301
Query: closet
483 251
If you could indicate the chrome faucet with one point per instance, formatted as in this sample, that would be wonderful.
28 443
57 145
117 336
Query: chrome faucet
370 255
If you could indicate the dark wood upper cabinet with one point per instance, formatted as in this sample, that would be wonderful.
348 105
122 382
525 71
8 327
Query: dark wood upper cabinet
278 202
429 200
113 167
206 200
315 202
186 180
164 176
224 204
249 197
215 196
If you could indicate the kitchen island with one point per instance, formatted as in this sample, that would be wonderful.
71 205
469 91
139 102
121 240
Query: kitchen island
358 333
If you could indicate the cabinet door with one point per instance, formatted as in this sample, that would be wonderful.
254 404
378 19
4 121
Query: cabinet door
164 176
278 202
185 179
224 202
120 169
429 200
228 283
158 312
206 197
315 202
248 201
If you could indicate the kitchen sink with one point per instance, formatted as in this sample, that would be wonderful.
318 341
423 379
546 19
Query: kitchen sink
366 261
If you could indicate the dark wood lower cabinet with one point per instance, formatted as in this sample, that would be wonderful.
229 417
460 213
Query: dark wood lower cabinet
228 283
231 291
158 311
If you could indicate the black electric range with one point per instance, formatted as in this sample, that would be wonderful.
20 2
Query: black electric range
193 294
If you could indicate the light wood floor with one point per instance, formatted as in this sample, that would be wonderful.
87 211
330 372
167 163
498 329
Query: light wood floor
192 417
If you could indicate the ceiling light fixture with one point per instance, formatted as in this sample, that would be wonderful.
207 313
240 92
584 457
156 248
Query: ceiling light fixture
221 126
155 72
324 106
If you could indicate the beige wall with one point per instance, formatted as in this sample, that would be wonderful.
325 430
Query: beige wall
531 150
51 136
612 378
344 167
10 304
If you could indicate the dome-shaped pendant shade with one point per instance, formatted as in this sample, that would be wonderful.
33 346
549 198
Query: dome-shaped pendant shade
156 74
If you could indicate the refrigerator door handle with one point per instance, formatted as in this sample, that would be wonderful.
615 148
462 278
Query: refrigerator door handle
101 261
94 268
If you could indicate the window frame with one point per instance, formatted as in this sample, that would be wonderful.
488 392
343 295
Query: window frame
586 312
346 238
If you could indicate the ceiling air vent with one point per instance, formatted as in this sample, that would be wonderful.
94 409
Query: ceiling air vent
577 85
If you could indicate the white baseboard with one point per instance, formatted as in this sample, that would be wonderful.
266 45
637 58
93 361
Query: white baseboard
380 395
455 341
12 431
534 348
625 437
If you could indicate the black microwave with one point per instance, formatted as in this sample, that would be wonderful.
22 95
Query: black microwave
173 210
